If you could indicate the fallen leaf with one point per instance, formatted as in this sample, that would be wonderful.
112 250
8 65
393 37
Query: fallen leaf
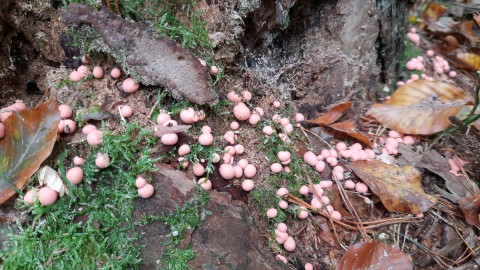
469 61
420 107
432 13
399 188
93 114
349 129
375 255
431 160
29 140
332 115
159 130
471 208
450 43
468 31
51 178
443 25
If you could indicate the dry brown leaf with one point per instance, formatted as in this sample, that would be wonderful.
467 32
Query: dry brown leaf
432 13
420 107
471 208
375 255
469 60
349 129
29 140
431 160
450 43
399 188
443 25
51 178
468 31
332 115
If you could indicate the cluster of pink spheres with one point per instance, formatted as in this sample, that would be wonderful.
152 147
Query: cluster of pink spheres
439 64
66 125
6 112
414 36
129 85
456 164
391 143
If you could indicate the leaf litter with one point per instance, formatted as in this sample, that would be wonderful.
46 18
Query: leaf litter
29 140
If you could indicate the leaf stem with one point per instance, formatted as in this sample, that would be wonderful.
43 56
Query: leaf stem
4 178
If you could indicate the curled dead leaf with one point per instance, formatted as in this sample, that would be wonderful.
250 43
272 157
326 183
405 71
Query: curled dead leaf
51 178
450 43
375 255
468 31
332 115
420 107
432 13
399 188
29 140
469 61
470 207
349 129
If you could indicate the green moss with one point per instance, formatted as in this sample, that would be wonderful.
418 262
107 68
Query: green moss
93 226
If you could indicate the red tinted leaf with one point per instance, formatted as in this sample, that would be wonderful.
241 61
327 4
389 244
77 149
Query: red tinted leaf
332 115
349 129
375 255
471 208
29 140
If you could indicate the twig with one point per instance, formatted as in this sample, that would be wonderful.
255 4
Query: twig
316 135
435 255
348 203
153 108
117 8
463 239
107 2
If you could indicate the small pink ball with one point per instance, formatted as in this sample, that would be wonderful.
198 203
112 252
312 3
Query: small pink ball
272 212
227 171
162 118
250 171
140 182
303 190
206 184
239 149
242 163
282 191
78 161
299 117
169 139
130 85
69 127
361 187
349 184
276 104
234 125
30 196
75 76
183 150
47 196
214 70
247 96
126 111
98 72
241 112
303 214
83 70
146 191
276 167
88 128
75 175
254 119
115 73
248 185
205 139
95 137
65 111
198 169
336 215
234 97
102 161
267 130
283 204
